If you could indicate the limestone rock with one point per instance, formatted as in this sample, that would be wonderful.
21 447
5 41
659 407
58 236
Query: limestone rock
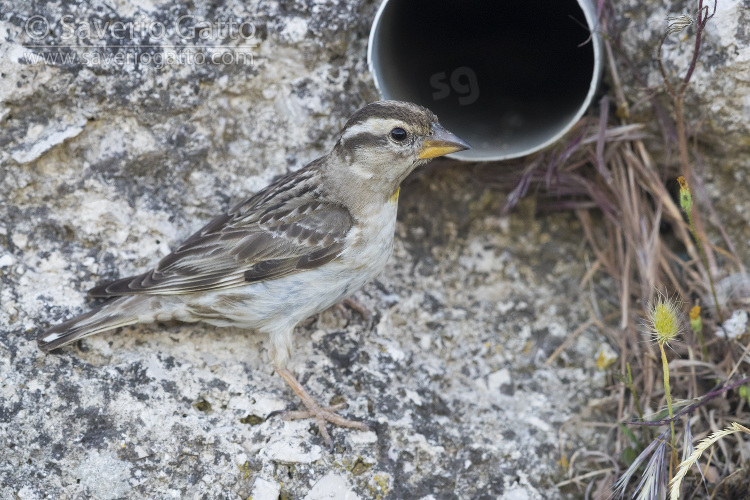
107 167
718 97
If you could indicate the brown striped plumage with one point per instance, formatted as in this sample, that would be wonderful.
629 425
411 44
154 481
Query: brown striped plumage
293 249
289 227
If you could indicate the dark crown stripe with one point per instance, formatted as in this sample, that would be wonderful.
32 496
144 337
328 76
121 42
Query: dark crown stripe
409 113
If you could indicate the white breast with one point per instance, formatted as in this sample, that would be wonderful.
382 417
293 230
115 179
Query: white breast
282 303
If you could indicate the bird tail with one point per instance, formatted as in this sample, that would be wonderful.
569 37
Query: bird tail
122 311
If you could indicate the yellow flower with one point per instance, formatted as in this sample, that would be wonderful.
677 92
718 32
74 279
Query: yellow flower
696 324
695 313
605 357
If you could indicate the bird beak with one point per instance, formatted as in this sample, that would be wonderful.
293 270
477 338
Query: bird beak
441 143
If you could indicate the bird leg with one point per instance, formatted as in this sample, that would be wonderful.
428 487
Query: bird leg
353 304
322 414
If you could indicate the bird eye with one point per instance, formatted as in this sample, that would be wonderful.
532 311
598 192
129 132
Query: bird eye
398 134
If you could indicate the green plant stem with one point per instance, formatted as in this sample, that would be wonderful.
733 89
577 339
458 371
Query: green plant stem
708 270
699 333
631 388
668 395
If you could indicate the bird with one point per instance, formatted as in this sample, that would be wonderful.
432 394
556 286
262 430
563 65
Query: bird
297 247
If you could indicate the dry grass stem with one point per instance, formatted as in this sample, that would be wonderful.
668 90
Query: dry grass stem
674 485
618 178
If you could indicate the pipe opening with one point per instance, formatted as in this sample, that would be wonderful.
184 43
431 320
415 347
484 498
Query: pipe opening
509 78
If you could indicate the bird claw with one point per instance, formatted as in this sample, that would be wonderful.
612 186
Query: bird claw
324 415
296 414
355 306
276 413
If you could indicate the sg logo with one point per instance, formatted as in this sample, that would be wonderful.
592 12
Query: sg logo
464 82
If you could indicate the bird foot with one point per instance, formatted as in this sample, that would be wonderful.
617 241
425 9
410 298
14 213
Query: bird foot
322 414
353 304
297 414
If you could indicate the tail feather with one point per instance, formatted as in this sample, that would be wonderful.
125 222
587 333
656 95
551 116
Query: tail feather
105 317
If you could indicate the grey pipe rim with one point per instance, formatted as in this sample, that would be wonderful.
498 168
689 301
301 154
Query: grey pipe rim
588 8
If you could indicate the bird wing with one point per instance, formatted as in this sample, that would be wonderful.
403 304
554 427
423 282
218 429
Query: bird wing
280 231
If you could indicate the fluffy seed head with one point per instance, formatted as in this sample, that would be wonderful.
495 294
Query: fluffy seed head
664 319
677 24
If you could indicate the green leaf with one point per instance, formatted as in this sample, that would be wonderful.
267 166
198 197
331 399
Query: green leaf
632 437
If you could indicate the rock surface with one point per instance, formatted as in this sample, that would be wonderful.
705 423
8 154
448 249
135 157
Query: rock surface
105 168
717 100
718 97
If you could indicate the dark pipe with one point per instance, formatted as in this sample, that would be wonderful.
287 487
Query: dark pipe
509 77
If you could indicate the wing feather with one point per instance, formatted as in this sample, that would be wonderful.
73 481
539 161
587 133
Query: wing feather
284 229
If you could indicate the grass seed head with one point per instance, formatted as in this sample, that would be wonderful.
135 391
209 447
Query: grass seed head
664 319
677 24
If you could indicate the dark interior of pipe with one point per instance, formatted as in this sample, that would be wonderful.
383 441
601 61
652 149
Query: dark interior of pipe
502 75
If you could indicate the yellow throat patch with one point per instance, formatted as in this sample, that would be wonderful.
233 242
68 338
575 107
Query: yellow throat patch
394 196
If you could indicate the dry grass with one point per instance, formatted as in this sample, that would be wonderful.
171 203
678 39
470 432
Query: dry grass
641 240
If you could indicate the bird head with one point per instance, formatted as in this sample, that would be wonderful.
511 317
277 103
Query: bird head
384 141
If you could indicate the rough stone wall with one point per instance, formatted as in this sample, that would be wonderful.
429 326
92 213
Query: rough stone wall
104 169
717 101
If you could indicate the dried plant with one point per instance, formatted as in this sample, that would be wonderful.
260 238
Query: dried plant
665 326
653 481
674 485
605 173
686 202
